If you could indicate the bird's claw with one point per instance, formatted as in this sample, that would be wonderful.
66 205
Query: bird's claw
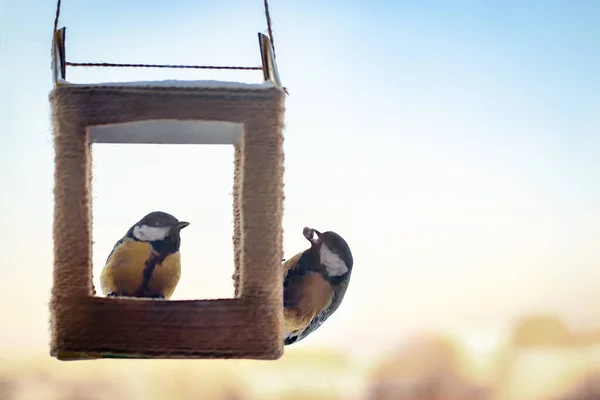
153 296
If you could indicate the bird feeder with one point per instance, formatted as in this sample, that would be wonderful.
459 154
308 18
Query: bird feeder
248 116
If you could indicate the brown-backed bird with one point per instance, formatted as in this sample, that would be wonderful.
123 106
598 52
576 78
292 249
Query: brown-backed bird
146 261
315 282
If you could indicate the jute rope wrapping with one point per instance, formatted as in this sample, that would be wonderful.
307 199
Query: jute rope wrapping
237 233
247 326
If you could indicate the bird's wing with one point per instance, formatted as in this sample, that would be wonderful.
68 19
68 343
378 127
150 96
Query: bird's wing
106 278
119 242
291 264
313 325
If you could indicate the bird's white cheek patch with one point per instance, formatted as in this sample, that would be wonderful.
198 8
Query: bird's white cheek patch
150 233
334 264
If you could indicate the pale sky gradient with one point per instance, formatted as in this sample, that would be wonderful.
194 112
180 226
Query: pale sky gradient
454 145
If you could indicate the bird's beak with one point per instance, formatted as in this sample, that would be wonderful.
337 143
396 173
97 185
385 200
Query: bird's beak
309 234
181 224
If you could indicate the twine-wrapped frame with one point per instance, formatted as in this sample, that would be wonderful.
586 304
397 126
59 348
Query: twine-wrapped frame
85 326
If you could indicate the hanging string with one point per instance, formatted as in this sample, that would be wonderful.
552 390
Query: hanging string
268 16
74 64
56 17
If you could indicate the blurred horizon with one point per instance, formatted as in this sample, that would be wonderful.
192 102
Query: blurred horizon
538 359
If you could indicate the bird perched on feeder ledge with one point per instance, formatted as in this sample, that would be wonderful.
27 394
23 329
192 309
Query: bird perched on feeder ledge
315 282
145 262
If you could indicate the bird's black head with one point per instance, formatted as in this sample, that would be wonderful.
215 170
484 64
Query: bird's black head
332 251
159 229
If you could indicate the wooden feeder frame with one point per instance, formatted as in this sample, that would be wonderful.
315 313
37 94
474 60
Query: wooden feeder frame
85 326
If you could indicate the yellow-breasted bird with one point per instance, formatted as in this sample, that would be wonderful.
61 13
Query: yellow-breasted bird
314 284
146 261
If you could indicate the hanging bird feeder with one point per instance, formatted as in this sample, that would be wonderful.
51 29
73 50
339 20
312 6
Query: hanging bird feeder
248 116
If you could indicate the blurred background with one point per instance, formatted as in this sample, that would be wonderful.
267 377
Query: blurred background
454 145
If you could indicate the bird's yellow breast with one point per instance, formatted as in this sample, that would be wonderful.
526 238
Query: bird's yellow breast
124 270
310 294
166 275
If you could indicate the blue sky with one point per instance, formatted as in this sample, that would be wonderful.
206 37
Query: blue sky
455 145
